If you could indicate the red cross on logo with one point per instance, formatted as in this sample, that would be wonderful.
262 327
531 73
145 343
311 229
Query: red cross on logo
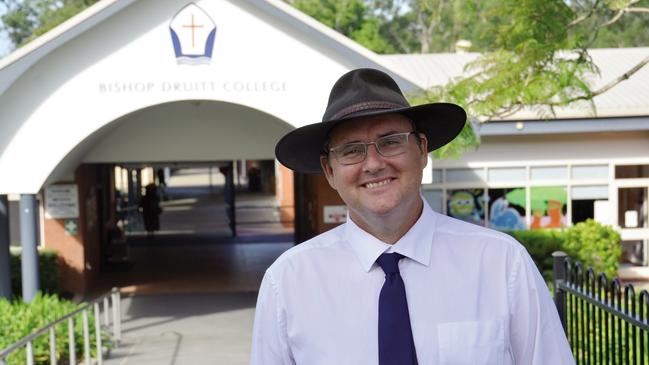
193 26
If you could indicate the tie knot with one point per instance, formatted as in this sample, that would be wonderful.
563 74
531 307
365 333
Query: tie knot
389 262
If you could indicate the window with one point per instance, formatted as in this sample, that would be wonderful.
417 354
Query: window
632 207
589 172
548 206
584 200
465 175
437 176
507 174
549 172
631 171
434 199
467 205
507 209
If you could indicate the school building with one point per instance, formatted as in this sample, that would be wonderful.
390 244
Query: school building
93 110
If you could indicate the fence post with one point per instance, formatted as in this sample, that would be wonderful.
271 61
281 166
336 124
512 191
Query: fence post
559 277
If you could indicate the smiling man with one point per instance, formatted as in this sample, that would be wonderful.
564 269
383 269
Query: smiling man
397 284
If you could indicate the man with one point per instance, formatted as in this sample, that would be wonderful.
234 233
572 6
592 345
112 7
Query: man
397 283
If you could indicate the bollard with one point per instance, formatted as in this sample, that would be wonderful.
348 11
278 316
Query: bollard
52 346
86 337
71 345
100 355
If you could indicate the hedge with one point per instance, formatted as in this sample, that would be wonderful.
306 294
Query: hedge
589 242
47 270
18 319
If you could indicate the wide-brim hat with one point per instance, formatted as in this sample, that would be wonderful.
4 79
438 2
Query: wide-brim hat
361 93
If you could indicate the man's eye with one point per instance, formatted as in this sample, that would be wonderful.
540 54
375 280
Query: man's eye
351 150
391 141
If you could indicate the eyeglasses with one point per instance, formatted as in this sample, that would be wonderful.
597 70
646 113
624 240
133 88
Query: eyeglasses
386 146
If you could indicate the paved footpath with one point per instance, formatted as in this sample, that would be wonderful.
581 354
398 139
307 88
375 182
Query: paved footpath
185 329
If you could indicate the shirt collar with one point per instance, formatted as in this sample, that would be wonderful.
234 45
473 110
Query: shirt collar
415 244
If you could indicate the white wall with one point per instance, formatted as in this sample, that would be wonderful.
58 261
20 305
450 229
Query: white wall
515 150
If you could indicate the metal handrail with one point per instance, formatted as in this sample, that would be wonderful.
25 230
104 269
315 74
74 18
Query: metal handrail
27 341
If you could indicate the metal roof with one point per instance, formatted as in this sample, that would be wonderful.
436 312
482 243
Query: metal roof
628 98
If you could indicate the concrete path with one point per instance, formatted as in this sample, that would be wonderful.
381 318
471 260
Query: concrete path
187 329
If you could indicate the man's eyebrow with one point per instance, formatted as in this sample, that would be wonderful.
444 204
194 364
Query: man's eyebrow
390 132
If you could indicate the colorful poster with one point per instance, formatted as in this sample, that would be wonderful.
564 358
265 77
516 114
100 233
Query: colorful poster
467 205
507 214
548 206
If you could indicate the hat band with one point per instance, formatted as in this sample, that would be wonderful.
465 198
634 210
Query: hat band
366 106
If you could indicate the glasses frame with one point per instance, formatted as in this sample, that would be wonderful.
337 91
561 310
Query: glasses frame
366 146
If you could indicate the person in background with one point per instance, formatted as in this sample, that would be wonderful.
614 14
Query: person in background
150 208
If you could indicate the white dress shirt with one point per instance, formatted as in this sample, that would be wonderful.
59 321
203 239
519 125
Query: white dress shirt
474 297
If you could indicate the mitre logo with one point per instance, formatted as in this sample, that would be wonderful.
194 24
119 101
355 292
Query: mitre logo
192 34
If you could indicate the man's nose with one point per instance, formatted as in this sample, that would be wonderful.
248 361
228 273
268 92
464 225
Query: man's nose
373 160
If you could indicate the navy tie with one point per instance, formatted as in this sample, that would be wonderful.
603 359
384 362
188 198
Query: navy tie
396 346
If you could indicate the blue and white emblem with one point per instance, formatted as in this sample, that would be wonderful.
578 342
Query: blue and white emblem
192 34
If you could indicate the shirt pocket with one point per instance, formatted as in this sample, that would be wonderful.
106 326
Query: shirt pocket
472 343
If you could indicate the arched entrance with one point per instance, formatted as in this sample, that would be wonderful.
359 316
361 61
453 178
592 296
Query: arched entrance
227 206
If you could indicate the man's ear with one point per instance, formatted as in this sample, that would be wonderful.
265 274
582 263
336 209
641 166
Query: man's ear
328 171
423 149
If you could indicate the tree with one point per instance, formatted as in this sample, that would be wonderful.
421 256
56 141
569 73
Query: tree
539 60
28 19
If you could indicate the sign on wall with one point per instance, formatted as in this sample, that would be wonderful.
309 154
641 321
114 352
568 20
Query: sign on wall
61 201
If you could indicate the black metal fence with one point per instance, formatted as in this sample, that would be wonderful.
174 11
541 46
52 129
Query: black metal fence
605 322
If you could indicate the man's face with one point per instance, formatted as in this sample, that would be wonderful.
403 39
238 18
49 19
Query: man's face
378 186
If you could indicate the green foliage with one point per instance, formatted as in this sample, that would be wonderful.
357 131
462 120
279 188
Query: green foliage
47 270
27 19
19 319
589 242
596 245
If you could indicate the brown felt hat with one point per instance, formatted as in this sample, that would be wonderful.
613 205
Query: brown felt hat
360 93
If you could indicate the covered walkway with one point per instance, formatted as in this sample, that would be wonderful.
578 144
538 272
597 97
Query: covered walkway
190 292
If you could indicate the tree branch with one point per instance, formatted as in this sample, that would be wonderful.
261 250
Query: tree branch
638 10
613 19
622 77
585 16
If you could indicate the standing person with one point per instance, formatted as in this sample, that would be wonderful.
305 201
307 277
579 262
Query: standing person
397 284
150 207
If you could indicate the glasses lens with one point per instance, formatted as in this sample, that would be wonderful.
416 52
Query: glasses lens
392 145
350 153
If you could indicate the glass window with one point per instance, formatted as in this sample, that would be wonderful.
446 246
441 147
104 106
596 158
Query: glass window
549 172
632 207
585 200
466 204
548 206
437 176
589 172
507 174
464 175
633 252
434 199
507 209
589 192
631 171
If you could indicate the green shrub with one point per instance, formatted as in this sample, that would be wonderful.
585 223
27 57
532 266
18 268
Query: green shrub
595 245
19 319
47 269
589 242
